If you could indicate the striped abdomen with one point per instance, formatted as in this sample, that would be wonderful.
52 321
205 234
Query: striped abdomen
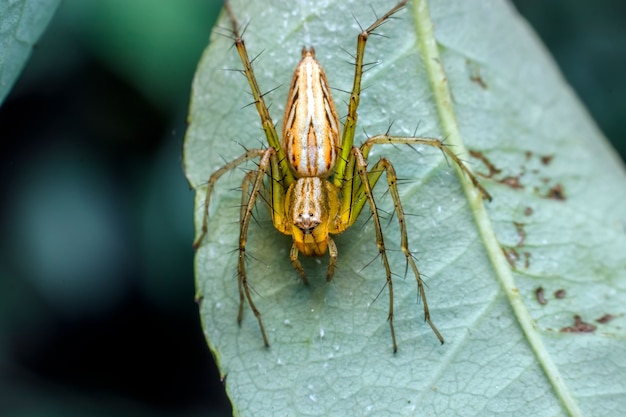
310 126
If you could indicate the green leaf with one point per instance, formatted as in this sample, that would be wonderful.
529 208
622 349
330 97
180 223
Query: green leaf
21 24
557 222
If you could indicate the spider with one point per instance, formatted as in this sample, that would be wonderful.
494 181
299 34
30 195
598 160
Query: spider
318 181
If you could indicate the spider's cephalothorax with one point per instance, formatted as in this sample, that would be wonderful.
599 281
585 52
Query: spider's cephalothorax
319 181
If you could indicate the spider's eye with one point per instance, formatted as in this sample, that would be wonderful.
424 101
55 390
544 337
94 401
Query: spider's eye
306 222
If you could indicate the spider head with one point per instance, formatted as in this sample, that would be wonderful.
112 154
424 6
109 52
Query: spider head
306 221
309 206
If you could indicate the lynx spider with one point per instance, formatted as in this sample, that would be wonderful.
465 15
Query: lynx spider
319 182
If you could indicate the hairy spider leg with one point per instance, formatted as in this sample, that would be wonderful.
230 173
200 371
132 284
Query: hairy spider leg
433 142
266 120
248 199
349 126
248 155
357 183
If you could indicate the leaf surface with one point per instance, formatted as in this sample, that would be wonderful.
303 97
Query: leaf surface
482 81
21 24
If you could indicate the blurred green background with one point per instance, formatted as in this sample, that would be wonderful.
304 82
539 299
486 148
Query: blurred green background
96 281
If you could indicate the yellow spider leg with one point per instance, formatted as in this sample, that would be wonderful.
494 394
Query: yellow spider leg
248 200
293 256
332 253
277 194
356 190
353 194
347 138
250 154
266 119
248 179
392 181
386 139
361 164
246 214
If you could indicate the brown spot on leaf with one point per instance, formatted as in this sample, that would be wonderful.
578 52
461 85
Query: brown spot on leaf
520 231
560 294
540 296
556 193
476 78
579 327
512 182
605 319
546 159
475 74
528 211
511 255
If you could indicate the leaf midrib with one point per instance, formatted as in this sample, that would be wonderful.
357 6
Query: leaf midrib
443 100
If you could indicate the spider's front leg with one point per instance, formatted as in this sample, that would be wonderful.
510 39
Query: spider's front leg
342 171
259 102
332 253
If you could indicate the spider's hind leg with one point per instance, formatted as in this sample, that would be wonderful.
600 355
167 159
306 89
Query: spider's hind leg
250 154
249 198
367 185
392 181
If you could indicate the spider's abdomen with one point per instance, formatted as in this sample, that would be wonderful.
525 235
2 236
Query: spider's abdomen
310 126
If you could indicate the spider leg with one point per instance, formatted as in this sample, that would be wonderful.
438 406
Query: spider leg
248 202
392 181
248 179
250 154
361 164
349 127
436 143
353 193
259 102
332 252
293 256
